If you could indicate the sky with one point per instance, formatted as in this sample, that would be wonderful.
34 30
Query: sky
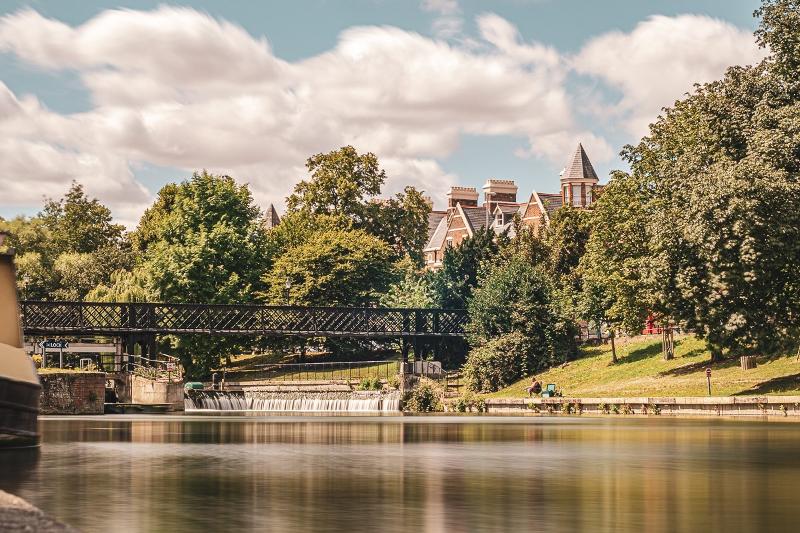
127 96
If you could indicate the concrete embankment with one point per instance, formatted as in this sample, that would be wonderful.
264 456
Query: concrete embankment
18 515
788 406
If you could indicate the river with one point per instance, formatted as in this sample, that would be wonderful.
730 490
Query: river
394 473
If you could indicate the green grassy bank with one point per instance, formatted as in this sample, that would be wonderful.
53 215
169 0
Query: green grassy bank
642 371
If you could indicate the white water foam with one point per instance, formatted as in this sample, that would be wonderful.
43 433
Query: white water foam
294 403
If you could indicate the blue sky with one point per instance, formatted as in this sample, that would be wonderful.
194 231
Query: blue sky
444 91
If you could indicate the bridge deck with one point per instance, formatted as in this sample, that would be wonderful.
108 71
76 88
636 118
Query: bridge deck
91 318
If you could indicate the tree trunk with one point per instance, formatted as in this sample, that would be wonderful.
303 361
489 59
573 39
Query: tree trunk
748 362
667 342
613 348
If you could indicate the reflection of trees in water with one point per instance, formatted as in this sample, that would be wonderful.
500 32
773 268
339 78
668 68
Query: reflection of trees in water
399 474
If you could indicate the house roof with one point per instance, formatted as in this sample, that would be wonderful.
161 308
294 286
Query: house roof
508 209
437 237
475 216
579 167
434 218
271 217
551 202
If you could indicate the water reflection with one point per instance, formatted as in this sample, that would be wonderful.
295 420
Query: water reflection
411 474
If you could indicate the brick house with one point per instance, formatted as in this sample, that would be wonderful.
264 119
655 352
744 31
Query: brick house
464 216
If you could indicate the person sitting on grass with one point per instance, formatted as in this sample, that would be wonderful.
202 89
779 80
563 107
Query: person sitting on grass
535 388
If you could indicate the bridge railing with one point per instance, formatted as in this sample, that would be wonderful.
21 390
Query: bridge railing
113 318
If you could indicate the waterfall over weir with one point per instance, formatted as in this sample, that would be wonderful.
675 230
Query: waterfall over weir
307 402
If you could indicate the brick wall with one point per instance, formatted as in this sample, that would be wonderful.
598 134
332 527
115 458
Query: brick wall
75 393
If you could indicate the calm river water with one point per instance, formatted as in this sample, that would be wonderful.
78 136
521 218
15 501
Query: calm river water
387 474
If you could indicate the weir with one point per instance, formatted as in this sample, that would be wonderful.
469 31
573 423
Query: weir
294 401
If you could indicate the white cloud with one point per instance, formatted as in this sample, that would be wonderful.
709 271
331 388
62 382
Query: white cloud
660 60
177 88
443 7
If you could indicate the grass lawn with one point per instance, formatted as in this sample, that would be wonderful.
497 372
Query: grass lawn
642 371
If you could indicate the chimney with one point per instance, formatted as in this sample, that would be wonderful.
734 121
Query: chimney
495 191
466 196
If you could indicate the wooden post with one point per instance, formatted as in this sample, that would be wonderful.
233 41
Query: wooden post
613 347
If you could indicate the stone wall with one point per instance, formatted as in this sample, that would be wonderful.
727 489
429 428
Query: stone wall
788 406
72 393
154 392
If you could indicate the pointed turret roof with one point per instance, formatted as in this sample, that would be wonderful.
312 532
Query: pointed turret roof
579 167
271 217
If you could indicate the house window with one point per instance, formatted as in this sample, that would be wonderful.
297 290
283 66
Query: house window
589 195
576 195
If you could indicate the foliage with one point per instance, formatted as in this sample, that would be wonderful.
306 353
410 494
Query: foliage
719 174
412 290
345 184
424 398
565 240
516 296
454 282
68 248
615 288
498 363
203 241
369 383
79 224
468 402
124 286
344 268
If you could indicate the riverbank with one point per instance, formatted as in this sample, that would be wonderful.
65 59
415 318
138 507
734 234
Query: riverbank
18 515
642 372
784 406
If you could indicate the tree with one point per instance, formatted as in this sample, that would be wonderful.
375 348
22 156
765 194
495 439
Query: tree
68 248
402 222
203 242
341 183
720 170
79 224
345 184
613 269
412 289
565 240
454 282
332 268
517 297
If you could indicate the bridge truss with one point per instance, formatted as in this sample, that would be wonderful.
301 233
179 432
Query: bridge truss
149 319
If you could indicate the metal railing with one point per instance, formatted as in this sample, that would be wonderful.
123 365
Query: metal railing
76 318
329 371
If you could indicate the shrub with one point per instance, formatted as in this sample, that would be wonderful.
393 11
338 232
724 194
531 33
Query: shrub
496 364
394 382
370 383
423 399
468 402
37 361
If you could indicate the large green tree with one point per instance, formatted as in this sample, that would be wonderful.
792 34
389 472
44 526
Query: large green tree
70 247
203 241
344 183
718 178
332 268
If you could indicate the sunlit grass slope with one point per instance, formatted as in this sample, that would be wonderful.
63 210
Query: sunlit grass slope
642 371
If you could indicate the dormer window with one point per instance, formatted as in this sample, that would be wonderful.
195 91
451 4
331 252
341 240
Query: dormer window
498 219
